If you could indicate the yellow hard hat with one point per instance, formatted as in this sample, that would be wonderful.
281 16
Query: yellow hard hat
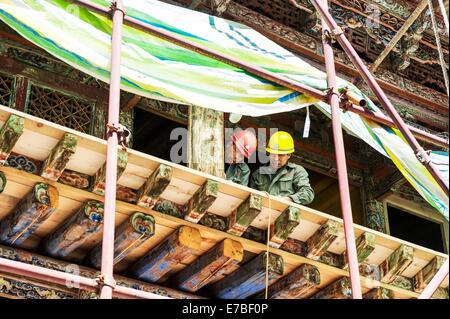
281 143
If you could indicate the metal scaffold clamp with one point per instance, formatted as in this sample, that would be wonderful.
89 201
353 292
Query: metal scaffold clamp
114 7
423 156
102 281
123 134
330 35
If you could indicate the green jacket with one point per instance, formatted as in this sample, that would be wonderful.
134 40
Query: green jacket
291 180
238 173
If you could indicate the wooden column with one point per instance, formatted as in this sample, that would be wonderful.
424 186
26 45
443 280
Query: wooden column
98 186
9 135
244 215
340 289
203 198
424 276
396 263
132 233
375 215
206 140
210 266
149 193
167 254
379 293
76 230
21 92
283 226
56 162
296 285
319 242
30 212
249 279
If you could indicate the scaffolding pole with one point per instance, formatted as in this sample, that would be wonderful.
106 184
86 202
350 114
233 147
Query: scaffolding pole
107 284
420 153
344 191
435 282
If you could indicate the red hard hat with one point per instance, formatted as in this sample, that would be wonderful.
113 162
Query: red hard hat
246 142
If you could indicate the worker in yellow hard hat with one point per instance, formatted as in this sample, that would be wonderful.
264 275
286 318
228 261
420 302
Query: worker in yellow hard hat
281 177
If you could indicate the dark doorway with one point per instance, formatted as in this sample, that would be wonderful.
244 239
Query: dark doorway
415 229
152 134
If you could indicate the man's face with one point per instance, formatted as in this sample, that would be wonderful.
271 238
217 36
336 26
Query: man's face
232 154
278 160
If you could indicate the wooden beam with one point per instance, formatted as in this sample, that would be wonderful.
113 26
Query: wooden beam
155 185
249 279
396 263
166 255
75 179
76 230
129 235
332 259
203 198
244 215
340 289
284 226
256 234
210 266
130 103
295 246
3 182
424 276
296 285
29 213
206 141
21 92
9 135
379 293
215 221
400 33
322 239
365 245
56 162
100 177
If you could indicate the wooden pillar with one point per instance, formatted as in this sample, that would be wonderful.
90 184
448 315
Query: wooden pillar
296 285
249 279
132 233
167 254
396 263
379 293
375 215
424 276
210 266
98 186
155 185
206 140
340 289
30 212
56 162
244 215
21 92
283 226
126 118
203 198
319 242
76 230
9 135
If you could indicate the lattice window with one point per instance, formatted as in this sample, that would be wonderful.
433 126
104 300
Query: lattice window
60 108
6 84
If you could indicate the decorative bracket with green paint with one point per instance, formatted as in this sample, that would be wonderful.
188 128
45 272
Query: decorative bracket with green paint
9 135
55 164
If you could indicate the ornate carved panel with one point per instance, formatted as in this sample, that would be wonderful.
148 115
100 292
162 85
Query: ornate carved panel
6 84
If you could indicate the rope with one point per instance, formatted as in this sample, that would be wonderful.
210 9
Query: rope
26 228
129 247
439 45
266 292
213 273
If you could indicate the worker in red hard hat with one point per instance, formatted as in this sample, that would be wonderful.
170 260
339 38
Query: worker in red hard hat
242 144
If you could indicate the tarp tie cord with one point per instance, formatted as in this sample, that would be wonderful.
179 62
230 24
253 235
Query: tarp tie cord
102 281
266 293
421 158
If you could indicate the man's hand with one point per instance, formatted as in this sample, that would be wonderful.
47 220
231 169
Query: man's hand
287 198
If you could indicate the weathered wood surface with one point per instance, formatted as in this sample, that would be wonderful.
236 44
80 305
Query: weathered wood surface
206 141
441 293
203 198
332 259
424 276
129 235
56 162
215 221
379 293
321 240
403 283
340 289
396 263
155 185
365 245
50 263
244 215
31 211
256 234
9 135
167 255
76 230
294 246
75 179
296 285
211 265
3 182
169 208
249 279
98 186
283 226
